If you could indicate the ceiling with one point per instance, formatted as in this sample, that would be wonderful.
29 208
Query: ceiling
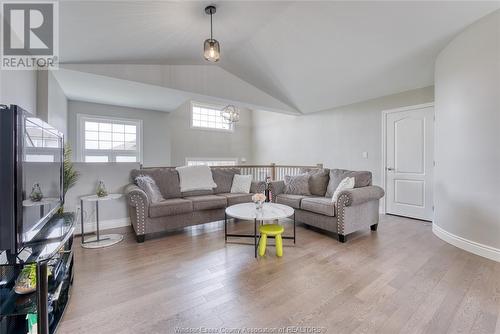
311 55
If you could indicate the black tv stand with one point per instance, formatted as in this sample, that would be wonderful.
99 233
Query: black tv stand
51 252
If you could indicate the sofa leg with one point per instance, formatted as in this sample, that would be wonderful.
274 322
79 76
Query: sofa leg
374 227
140 238
342 238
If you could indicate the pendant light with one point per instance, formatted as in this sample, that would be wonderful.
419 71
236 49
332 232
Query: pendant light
230 113
211 47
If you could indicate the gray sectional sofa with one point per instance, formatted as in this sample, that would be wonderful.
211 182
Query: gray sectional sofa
181 209
354 209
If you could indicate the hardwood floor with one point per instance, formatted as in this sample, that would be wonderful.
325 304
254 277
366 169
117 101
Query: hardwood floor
401 279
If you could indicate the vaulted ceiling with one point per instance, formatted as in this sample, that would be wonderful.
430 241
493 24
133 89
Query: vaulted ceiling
310 55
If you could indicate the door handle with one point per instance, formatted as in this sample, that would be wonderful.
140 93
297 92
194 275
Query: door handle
390 169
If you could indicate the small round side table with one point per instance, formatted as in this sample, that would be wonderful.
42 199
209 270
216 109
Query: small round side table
99 240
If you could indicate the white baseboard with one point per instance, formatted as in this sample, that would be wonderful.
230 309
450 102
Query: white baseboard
467 245
103 225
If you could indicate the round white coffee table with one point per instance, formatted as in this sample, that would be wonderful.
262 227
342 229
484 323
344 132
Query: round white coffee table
99 240
248 211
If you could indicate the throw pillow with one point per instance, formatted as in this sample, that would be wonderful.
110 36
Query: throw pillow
195 178
297 184
241 184
347 183
318 181
223 177
148 185
362 179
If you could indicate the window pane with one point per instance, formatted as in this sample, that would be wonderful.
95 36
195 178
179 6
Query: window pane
118 128
209 117
125 158
96 158
130 129
92 126
118 145
105 127
91 135
130 137
130 146
105 136
105 145
118 136
91 145
39 158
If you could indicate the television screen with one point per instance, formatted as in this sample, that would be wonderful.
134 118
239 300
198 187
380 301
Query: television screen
42 181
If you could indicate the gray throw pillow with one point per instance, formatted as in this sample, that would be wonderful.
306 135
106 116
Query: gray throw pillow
318 181
148 185
297 184
362 179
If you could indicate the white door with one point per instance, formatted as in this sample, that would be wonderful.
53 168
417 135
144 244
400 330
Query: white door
410 162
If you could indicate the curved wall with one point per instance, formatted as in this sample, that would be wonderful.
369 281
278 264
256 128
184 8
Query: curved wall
467 104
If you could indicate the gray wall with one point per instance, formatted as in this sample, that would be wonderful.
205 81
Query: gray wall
190 142
155 136
337 138
19 87
467 107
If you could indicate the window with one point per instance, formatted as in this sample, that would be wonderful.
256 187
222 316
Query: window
208 117
109 140
211 162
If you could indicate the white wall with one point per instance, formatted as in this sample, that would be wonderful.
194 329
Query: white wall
189 142
155 136
335 137
467 190
52 104
19 87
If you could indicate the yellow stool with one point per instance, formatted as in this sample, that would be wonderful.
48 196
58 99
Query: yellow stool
272 230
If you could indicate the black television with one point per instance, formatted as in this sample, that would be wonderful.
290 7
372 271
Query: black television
31 157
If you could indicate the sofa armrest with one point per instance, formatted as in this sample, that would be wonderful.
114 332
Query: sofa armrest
258 187
139 203
277 187
356 196
134 194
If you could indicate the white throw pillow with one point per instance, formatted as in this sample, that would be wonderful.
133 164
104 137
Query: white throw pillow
148 185
241 184
347 183
195 178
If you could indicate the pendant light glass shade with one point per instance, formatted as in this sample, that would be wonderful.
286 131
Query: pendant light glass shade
211 50
230 113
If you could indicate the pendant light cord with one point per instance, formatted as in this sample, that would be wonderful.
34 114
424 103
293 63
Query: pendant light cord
211 29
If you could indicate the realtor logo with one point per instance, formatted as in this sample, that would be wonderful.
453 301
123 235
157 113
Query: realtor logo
29 35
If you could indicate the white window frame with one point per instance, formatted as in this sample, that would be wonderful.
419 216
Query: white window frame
208 106
80 133
235 160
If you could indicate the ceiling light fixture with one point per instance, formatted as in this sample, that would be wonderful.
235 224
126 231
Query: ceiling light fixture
230 113
211 47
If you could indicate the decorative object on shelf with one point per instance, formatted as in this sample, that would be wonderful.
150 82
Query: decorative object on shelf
259 199
211 47
70 174
230 113
101 190
26 281
269 195
36 194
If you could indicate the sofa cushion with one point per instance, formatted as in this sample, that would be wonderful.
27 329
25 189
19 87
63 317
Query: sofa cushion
167 179
207 202
196 193
223 177
321 205
361 178
170 207
318 180
290 200
235 198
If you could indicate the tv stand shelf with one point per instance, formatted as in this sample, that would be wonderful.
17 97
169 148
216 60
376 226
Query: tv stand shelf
51 252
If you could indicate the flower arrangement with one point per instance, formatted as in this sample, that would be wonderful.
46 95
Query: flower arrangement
259 199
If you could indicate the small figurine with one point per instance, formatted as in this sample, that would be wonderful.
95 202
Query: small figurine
36 193
101 190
